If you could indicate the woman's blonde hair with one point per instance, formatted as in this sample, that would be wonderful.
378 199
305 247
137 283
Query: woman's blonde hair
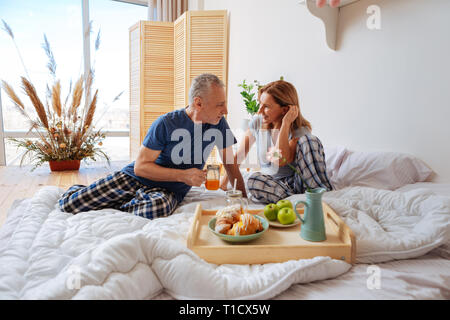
285 94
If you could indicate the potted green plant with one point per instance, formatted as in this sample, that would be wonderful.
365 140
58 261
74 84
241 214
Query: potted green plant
65 128
249 94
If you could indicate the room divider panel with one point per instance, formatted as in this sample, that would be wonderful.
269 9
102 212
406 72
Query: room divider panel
165 57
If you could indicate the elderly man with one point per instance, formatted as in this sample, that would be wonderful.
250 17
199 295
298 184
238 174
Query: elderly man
170 161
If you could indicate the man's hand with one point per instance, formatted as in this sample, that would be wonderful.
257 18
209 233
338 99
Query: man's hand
194 177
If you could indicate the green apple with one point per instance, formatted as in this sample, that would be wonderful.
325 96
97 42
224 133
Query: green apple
271 211
286 215
284 204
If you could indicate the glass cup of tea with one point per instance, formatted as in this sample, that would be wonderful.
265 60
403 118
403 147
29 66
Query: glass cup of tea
212 177
234 197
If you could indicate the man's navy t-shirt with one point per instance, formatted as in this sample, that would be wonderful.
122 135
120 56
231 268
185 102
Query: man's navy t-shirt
183 145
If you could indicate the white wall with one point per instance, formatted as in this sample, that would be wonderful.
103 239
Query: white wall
382 90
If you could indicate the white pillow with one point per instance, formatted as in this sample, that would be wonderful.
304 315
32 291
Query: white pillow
381 170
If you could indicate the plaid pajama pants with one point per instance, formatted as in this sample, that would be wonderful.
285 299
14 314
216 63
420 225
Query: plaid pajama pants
122 192
309 161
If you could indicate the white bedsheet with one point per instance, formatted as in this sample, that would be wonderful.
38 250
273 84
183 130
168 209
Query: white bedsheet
425 277
442 189
47 254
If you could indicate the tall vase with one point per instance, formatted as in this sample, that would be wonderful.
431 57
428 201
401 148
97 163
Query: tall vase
313 225
64 165
244 124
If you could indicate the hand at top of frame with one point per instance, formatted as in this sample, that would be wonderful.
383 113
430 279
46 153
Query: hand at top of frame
333 3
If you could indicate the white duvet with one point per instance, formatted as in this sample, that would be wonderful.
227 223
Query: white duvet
108 254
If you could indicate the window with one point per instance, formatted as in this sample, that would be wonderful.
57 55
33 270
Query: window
111 63
111 60
61 21
29 20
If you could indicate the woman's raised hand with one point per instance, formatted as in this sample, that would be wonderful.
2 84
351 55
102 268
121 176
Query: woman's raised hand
291 115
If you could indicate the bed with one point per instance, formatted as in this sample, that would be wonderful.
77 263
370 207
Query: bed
401 223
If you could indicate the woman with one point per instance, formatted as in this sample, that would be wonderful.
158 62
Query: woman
279 125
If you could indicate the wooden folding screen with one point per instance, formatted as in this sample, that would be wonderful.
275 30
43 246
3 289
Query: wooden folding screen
165 57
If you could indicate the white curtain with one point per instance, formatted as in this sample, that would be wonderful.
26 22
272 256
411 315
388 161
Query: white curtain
166 10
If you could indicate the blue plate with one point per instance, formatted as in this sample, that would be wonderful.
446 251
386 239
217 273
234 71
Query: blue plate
250 237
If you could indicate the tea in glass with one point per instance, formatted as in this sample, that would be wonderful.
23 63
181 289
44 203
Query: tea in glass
212 177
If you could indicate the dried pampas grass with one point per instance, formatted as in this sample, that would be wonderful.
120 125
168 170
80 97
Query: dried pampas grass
30 90
66 132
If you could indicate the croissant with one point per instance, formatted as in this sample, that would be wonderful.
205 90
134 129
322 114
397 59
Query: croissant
226 217
248 224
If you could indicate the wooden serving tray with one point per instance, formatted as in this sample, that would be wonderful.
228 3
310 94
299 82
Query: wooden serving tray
275 245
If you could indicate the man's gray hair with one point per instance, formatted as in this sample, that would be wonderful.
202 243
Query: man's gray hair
202 84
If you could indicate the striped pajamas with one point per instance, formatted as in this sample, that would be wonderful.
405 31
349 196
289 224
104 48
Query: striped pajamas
309 161
122 192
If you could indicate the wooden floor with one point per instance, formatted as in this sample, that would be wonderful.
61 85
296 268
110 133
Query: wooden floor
19 182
